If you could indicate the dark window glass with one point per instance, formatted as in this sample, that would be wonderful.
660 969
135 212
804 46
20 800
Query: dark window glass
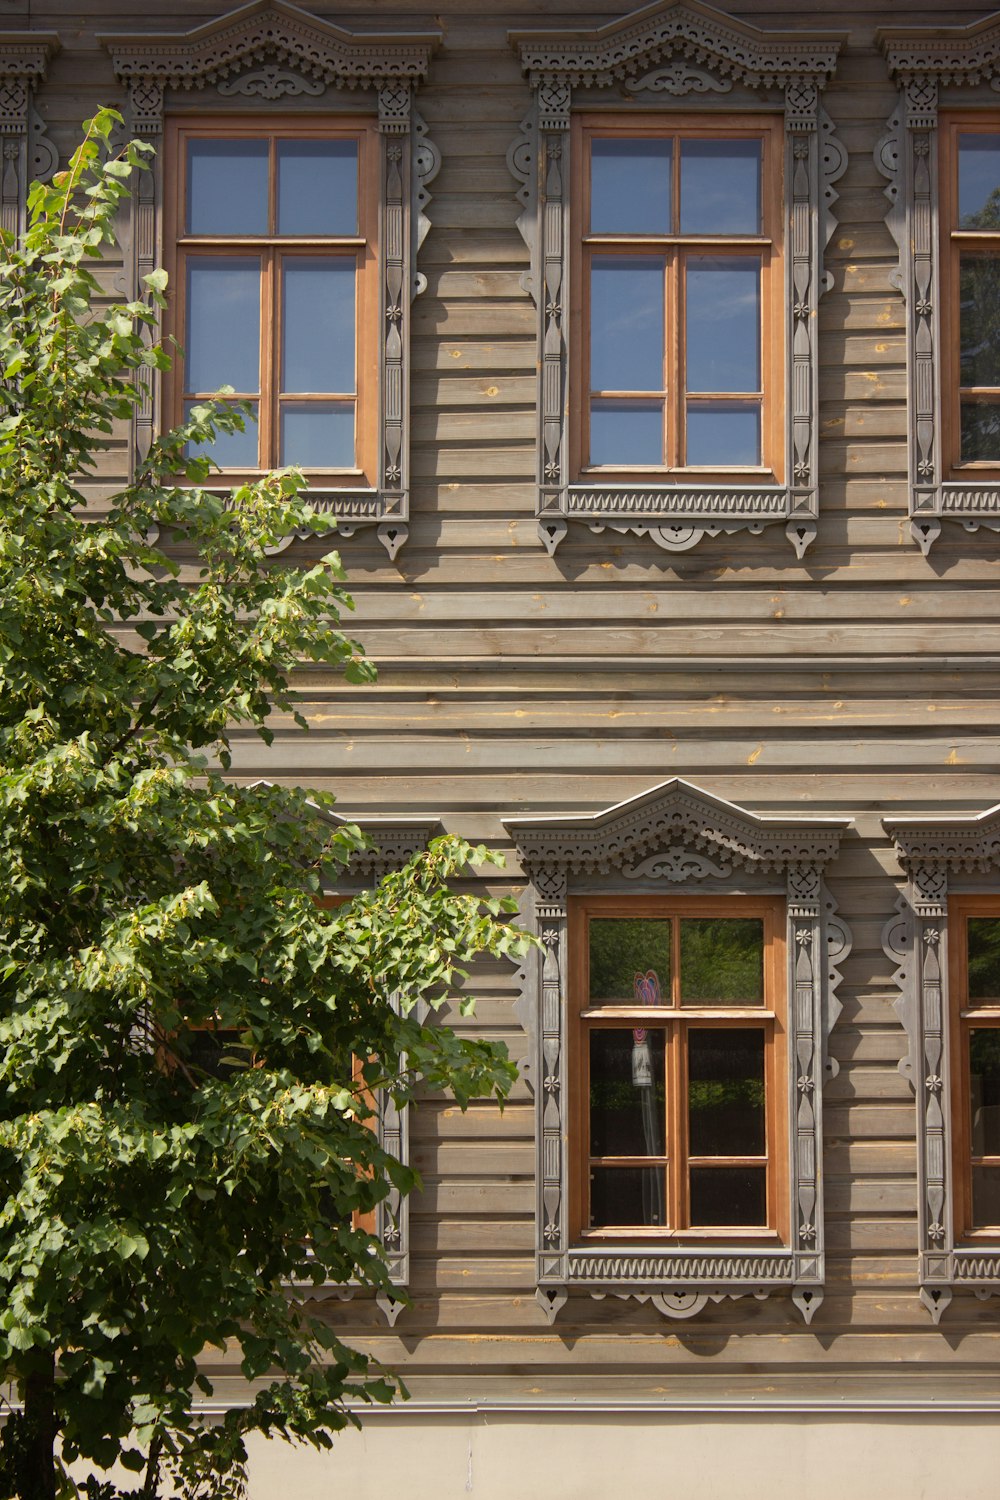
720 187
231 450
627 1092
227 187
630 186
218 1053
722 961
980 432
984 1090
728 1195
627 1195
317 434
979 181
726 1092
979 320
983 936
222 343
318 324
630 960
626 432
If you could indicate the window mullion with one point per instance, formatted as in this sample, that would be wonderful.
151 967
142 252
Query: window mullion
270 357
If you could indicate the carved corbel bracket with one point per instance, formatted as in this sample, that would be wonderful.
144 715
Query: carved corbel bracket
27 153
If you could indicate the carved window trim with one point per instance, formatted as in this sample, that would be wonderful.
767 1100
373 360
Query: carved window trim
647 61
393 842
939 856
957 68
28 154
270 50
679 839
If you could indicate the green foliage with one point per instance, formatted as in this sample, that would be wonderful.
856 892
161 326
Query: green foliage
153 1207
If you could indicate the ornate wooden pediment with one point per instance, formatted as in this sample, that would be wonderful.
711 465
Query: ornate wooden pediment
271 31
951 54
964 844
676 832
624 49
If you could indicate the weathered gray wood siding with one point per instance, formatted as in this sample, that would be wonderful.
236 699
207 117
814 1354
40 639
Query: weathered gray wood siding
861 681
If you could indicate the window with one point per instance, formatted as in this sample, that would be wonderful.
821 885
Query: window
678 1043
676 266
974 924
677 1023
307 170
940 153
274 278
970 218
945 941
679 260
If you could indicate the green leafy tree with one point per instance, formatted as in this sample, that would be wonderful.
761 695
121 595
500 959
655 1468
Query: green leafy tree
154 1206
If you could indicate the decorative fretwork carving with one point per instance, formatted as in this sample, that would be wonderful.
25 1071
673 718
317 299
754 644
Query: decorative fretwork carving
661 53
931 850
953 65
271 50
27 153
677 833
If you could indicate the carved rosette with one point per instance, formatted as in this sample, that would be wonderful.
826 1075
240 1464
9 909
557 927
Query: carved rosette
931 851
676 835
28 154
953 65
272 50
659 55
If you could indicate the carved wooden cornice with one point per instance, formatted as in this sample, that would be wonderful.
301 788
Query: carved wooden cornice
268 30
27 153
656 832
964 844
732 48
25 55
951 54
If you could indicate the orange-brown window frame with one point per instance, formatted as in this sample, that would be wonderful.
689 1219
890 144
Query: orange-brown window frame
770 1018
953 242
963 1017
272 248
769 245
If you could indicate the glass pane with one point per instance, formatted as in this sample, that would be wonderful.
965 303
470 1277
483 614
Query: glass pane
218 1053
722 961
626 323
980 432
627 1092
979 320
979 181
317 434
231 450
720 187
227 187
222 337
726 1092
318 324
630 186
984 1090
629 961
317 187
725 434
723 323
626 432
728 1195
627 1195
983 936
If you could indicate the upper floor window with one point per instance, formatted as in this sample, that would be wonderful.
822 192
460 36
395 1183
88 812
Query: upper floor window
275 289
970 216
680 265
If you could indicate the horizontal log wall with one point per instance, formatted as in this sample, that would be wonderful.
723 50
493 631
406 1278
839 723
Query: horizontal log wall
859 682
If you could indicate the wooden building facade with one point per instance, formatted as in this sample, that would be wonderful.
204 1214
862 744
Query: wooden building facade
665 452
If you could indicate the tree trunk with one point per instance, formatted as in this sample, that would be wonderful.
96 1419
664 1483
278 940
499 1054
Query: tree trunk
37 1477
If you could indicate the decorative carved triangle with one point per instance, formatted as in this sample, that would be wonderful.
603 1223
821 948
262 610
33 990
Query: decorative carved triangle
669 829
271 31
731 48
